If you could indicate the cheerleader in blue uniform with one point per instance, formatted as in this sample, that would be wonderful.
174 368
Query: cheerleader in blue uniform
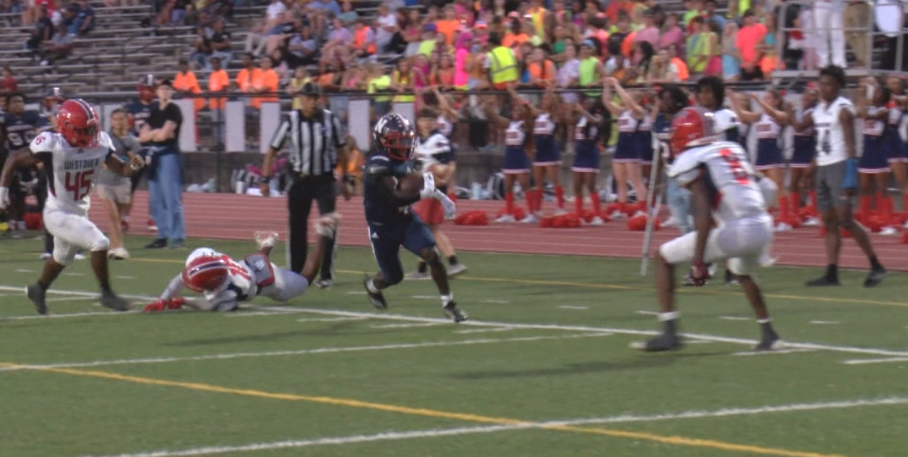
516 157
768 127
805 147
547 160
626 163
587 121
898 151
645 144
873 166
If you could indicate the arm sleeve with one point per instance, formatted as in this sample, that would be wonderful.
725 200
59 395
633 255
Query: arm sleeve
173 289
280 136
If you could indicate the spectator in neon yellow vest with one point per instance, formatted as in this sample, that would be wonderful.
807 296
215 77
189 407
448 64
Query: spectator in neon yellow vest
697 48
590 68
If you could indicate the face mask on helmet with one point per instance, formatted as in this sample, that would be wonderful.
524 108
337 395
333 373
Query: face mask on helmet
78 123
205 274
398 144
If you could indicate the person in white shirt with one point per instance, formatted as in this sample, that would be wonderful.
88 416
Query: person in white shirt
837 177
829 29
730 222
72 160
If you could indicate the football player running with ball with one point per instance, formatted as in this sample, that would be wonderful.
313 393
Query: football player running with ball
388 191
72 159
723 187
225 283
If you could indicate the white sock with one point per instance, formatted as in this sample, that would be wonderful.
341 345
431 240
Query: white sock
445 299
21 225
371 287
670 316
764 321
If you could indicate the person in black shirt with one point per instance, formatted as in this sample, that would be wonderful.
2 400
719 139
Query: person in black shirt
317 145
165 168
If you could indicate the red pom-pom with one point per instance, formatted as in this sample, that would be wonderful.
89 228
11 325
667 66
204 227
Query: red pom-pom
875 223
637 223
546 222
519 213
905 237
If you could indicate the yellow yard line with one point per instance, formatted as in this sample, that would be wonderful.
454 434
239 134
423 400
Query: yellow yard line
641 436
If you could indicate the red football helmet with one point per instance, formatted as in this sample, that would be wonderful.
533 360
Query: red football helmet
78 123
146 88
205 273
692 126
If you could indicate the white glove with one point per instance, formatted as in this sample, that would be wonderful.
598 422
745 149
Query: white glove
428 186
4 197
449 206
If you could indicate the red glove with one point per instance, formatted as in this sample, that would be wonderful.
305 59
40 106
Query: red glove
699 273
156 306
161 305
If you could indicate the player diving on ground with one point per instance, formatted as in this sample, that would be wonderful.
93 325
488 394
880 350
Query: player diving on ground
224 283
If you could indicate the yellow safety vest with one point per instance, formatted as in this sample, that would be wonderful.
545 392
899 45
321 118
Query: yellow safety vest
503 65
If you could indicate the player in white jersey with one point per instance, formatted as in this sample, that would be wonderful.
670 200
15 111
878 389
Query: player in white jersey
434 153
72 159
224 283
837 177
725 193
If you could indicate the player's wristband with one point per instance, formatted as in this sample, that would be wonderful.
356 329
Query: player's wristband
851 174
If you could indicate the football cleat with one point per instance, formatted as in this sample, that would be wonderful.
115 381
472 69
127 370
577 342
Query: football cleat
35 293
417 276
324 283
770 342
114 301
456 270
875 277
376 298
265 238
118 254
453 312
664 342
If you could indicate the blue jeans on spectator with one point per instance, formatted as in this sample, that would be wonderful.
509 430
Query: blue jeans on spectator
225 57
679 205
165 191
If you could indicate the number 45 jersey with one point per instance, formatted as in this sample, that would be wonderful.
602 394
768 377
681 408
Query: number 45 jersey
729 178
71 171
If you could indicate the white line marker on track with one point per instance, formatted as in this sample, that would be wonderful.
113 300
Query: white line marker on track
434 433
573 307
330 350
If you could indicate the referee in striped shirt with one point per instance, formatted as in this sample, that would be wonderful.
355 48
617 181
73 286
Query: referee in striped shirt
316 147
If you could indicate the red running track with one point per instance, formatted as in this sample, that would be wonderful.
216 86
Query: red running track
235 217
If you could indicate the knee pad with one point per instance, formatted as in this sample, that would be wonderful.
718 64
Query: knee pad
99 244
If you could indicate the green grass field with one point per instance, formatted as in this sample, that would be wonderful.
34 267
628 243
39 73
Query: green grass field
542 369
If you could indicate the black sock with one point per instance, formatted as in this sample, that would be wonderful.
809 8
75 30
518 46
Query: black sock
452 260
670 327
767 329
875 263
832 272
105 289
422 267
42 285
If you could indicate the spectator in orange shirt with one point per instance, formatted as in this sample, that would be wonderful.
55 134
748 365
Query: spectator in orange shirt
449 25
186 85
515 37
749 38
616 6
266 83
542 71
218 83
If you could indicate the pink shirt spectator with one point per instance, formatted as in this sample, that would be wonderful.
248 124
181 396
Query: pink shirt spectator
464 41
672 37
748 39
650 34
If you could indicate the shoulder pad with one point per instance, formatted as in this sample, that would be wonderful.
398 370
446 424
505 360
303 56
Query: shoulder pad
43 143
104 141
379 165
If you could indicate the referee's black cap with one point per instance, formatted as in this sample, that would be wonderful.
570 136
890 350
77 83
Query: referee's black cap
310 89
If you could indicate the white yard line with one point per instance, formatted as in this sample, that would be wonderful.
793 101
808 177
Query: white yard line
777 352
870 361
424 324
621 331
573 307
484 330
435 433
824 322
56 299
735 318
426 320
329 350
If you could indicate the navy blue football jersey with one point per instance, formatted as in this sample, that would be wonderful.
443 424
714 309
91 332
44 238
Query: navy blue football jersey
19 131
378 200
662 135
140 113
